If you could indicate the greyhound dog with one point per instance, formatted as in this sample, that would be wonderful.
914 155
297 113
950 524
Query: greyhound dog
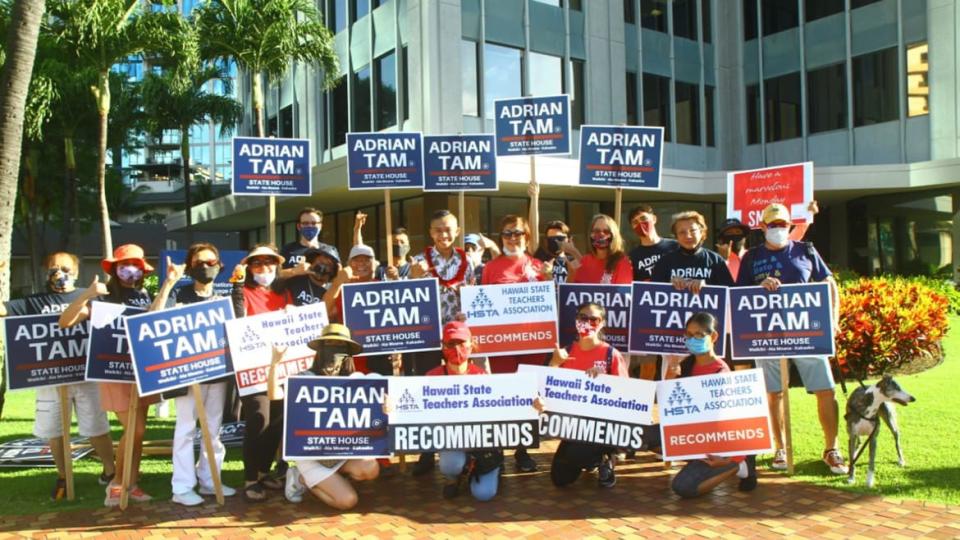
866 406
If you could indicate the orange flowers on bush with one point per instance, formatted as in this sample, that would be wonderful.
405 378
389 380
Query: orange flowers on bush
888 322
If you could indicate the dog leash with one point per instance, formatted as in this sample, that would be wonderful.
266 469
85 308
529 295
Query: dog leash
876 426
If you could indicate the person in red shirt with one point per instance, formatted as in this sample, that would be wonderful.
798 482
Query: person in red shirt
700 476
606 263
590 353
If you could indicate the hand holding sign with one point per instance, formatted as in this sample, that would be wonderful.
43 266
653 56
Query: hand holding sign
770 283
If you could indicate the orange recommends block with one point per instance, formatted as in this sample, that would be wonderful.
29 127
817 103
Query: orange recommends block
517 338
727 437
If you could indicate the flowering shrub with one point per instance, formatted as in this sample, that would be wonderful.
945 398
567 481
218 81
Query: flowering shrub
888 322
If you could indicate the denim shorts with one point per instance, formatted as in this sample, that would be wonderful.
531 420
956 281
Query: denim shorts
814 371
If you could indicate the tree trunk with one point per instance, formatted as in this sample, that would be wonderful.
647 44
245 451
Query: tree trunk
258 102
29 209
70 203
102 94
21 49
185 167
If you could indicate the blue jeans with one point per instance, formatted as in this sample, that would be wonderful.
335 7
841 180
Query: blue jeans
483 488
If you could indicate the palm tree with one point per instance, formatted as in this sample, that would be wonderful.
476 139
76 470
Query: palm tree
102 33
181 106
264 37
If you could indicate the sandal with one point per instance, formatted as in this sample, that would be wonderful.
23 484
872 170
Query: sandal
270 483
254 493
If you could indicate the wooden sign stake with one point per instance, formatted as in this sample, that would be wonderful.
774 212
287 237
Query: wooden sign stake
785 402
130 433
66 411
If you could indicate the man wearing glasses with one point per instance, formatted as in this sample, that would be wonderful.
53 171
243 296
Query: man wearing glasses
309 225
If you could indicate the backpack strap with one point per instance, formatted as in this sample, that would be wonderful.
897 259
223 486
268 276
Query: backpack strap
609 359
811 251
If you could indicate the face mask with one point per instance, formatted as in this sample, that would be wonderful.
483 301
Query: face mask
309 232
204 274
264 279
554 243
778 236
643 228
587 328
698 345
400 251
329 361
129 273
322 271
63 282
454 356
600 241
510 252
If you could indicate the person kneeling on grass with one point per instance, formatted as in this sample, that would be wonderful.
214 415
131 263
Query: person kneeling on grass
700 476
327 478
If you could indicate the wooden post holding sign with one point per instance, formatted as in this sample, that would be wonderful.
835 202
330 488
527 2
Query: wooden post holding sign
462 218
785 403
388 214
618 204
207 441
272 219
129 433
66 411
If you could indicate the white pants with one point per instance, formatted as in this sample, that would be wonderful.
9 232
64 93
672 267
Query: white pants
185 471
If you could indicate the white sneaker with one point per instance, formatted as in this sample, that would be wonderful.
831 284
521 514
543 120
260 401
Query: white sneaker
188 498
210 490
779 460
293 487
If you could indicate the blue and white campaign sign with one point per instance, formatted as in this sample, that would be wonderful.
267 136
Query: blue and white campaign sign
615 299
533 125
108 353
462 412
795 320
221 284
389 317
38 353
621 156
659 313
385 160
266 166
180 346
335 417
605 409
460 162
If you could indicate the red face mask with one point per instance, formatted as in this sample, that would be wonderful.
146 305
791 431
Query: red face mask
587 328
642 228
454 356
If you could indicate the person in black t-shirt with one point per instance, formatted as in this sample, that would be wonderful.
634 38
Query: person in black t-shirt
645 256
557 249
309 225
309 289
691 266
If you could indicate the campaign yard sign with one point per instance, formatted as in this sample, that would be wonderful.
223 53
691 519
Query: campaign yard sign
221 284
606 410
460 163
749 192
389 317
36 452
724 414
516 318
533 125
795 320
659 313
252 338
335 417
38 353
615 299
385 160
621 156
180 346
433 414
267 166
108 353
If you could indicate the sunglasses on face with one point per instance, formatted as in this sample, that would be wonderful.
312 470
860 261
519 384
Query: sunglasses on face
212 263
512 233
777 225
583 317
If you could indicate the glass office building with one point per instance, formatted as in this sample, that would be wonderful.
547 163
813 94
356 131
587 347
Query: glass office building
866 89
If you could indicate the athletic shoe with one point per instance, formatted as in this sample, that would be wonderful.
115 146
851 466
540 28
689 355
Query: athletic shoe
834 460
293 487
779 460
59 490
138 495
210 490
749 483
525 463
113 495
606 478
105 479
188 498
424 464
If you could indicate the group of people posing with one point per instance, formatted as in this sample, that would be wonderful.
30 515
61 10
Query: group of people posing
308 271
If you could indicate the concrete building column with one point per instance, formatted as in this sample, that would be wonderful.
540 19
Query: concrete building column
606 61
434 64
943 27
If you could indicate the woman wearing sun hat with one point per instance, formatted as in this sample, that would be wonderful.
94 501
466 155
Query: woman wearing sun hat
329 479
126 268
256 291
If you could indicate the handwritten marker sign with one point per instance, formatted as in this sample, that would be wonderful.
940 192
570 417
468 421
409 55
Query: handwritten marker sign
108 354
251 340
532 125
221 284
508 319
180 346
749 192
38 353
335 417
621 156
605 410
795 320
385 160
265 166
460 162
615 299
723 414
659 313
389 317
463 412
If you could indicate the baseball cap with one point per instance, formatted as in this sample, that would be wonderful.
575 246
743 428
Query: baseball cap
361 250
472 238
734 226
456 330
776 212
324 249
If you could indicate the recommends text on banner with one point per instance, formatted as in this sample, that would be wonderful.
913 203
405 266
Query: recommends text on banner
515 318
723 414
252 338
606 410
334 417
462 412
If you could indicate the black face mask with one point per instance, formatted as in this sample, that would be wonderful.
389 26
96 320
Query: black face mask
329 360
324 271
203 274
554 243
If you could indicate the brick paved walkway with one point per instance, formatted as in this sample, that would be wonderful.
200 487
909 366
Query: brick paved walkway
640 506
